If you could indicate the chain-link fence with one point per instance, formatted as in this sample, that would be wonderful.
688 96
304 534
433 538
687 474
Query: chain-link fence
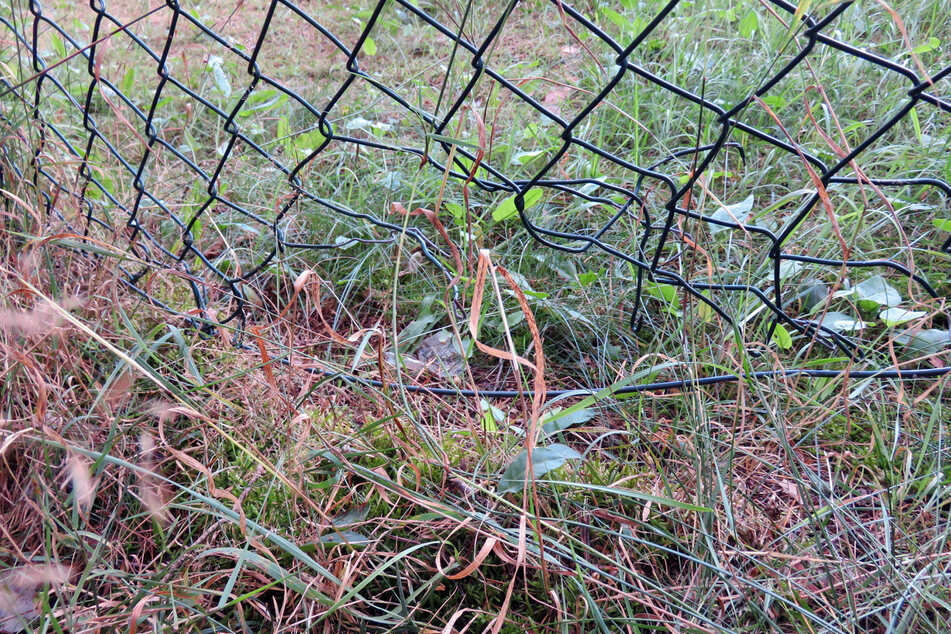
217 146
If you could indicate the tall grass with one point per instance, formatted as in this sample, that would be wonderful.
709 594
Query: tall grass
157 476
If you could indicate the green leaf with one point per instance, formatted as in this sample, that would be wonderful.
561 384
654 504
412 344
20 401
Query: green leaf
369 46
775 102
782 338
307 142
896 316
458 213
735 213
544 459
514 318
814 294
931 44
344 537
222 83
353 516
556 421
526 286
666 292
370 127
916 124
925 342
193 374
417 328
58 45
801 9
507 209
262 101
703 309
875 292
942 224
283 133
749 24
128 81
788 268
841 322
619 20
588 278
526 157
491 416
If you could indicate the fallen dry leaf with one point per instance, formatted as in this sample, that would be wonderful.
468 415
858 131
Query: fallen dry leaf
18 593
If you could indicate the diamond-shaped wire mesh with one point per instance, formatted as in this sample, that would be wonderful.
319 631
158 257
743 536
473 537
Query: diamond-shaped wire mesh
98 107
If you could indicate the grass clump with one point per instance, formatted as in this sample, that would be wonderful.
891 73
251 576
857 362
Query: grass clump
260 463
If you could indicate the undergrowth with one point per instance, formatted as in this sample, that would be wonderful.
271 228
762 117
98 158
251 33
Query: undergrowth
169 470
